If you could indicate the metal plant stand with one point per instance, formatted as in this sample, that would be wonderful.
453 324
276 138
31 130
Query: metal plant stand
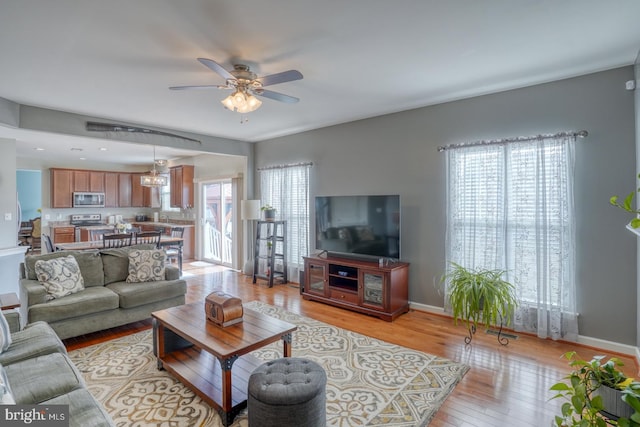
503 340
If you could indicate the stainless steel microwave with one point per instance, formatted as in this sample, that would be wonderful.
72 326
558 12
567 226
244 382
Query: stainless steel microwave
88 200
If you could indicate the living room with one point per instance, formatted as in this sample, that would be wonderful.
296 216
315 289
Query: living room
397 153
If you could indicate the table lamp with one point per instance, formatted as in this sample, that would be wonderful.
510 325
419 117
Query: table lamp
250 211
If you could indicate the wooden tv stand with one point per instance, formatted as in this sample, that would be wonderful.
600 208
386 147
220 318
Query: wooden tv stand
356 285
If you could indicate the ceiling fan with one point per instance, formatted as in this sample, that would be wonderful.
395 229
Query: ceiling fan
246 85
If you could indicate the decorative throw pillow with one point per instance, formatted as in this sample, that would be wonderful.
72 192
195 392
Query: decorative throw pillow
6 396
59 276
146 265
365 234
344 234
5 333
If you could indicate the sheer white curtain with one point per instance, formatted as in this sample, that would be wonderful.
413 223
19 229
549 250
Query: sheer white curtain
510 207
286 188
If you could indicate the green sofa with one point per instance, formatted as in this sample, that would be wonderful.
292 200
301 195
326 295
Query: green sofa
38 372
107 300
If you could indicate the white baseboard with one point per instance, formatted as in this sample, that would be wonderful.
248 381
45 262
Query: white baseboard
588 341
609 345
426 308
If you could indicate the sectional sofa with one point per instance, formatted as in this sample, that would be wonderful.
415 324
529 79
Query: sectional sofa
107 299
35 370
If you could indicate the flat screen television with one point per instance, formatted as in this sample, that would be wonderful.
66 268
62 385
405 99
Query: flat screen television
361 226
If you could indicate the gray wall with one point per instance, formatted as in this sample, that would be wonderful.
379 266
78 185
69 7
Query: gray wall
9 199
397 154
637 105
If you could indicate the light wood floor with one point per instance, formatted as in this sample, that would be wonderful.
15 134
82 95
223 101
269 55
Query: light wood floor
506 386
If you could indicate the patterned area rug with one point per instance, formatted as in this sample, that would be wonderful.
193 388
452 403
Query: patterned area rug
369 382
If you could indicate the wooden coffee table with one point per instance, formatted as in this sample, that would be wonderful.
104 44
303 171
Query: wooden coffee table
201 354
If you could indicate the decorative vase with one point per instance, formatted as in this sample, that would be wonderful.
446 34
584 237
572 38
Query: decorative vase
614 406
269 214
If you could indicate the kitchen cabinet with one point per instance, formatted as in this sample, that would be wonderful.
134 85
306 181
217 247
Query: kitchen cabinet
137 191
146 197
111 189
96 181
61 188
189 236
64 235
124 190
81 181
88 181
181 181
121 189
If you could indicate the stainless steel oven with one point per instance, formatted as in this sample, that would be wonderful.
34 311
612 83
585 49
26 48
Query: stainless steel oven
88 200
85 220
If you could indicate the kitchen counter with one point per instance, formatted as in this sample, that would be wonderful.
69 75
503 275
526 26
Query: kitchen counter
163 224
98 227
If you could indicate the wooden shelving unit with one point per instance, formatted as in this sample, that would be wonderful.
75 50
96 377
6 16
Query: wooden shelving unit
270 257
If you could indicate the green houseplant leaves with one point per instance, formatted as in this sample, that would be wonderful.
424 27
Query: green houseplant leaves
480 296
583 407
627 205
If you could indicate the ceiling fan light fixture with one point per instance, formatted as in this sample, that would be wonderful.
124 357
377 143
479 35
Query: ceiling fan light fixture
241 101
153 178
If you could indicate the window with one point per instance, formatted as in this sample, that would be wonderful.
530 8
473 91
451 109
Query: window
287 190
510 207
165 198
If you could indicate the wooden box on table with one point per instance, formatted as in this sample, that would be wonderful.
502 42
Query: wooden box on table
223 309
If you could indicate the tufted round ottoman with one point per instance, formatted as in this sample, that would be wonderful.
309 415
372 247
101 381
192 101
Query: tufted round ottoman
287 392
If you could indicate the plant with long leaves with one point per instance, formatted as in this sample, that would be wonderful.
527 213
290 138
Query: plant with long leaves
480 296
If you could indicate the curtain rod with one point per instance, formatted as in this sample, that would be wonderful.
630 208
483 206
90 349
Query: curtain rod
582 134
291 165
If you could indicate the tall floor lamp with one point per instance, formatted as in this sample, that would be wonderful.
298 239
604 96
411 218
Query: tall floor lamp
250 211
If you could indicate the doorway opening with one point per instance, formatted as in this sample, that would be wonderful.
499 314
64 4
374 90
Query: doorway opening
218 228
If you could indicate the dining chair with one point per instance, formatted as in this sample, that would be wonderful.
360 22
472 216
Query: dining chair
36 235
95 235
148 237
117 240
175 252
48 243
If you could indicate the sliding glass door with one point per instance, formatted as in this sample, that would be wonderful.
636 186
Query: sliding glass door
217 232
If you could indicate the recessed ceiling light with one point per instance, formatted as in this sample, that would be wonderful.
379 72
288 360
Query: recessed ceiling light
76 149
103 148
39 149
83 158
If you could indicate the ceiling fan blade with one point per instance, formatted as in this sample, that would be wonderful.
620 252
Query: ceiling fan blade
285 76
200 87
277 96
214 66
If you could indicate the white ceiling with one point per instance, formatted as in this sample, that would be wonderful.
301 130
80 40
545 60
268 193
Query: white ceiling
360 58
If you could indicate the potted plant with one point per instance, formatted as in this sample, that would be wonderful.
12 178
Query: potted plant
479 296
597 393
627 206
268 213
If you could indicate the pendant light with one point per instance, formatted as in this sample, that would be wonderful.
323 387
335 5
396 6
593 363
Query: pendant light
153 178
